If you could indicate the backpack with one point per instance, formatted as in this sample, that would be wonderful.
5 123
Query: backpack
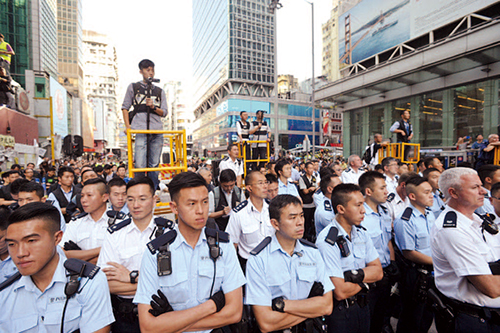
367 156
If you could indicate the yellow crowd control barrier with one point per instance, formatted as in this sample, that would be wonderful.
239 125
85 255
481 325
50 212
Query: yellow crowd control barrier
178 158
405 152
496 159
243 153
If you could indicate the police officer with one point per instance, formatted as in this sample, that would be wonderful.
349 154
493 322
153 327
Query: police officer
33 192
287 283
249 222
489 175
351 261
432 175
233 162
7 266
324 214
283 169
194 269
412 236
390 166
354 171
398 200
117 189
38 300
461 255
123 248
378 223
84 235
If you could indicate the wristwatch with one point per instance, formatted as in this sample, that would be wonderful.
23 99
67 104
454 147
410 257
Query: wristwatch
133 277
278 304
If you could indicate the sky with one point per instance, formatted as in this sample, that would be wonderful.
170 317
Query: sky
160 30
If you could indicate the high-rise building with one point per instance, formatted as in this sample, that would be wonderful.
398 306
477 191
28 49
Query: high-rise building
330 59
100 81
70 47
14 25
44 36
179 115
287 83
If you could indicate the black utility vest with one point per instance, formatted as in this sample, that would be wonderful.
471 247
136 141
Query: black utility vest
400 137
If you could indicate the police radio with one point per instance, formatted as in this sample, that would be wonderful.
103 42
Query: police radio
344 248
164 261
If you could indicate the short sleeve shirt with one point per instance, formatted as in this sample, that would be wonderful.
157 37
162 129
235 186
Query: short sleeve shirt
350 176
323 215
228 163
273 273
85 232
414 235
379 227
289 188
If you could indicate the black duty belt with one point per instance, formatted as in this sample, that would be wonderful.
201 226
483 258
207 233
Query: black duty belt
491 315
361 298
124 306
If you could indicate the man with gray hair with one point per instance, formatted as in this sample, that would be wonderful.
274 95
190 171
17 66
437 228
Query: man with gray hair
390 166
466 265
353 171
206 173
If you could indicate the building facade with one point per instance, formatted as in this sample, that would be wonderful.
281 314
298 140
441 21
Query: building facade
100 82
70 45
447 78
44 50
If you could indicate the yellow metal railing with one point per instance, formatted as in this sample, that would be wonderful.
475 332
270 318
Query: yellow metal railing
496 158
405 152
178 158
243 153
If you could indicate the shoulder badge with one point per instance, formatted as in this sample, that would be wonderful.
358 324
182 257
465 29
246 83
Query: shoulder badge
328 206
383 208
10 281
407 214
261 246
221 235
307 243
225 158
164 239
361 227
267 201
391 197
164 223
240 206
79 216
332 236
78 266
441 194
450 220
115 227
347 170
50 202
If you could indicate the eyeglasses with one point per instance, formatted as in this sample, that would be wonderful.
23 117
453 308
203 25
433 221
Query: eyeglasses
260 183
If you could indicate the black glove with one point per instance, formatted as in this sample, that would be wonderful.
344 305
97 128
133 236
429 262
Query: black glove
316 290
219 299
71 246
159 304
392 271
354 276
495 267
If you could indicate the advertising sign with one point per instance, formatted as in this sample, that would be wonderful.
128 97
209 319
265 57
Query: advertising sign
59 108
374 26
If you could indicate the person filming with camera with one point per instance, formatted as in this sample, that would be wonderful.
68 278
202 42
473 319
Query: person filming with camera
149 105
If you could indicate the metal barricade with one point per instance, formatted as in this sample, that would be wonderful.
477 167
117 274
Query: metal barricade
242 154
178 153
405 152
496 158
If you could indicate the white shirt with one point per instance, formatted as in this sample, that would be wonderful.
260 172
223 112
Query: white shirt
396 205
391 183
228 163
247 227
211 201
458 252
85 232
126 247
349 176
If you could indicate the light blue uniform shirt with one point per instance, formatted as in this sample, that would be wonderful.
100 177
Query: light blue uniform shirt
273 273
438 204
192 274
323 215
360 246
379 227
289 188
414 235
487 207
55 203
7 269
125 209
318 197
26 309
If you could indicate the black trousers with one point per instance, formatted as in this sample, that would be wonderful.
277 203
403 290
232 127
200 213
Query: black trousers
248 155
309 228
465 323
379 303
415 316
260 153
349 319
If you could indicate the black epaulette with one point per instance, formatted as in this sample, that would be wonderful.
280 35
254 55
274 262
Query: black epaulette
225 158
332 236
164 223
407 214
164 239
223 236
10 281
78 266
79 216
361 227
305 242
267 201
50 202
383 208
328 206
118 226
240 206
347 170
261 246
318 191
441 194
450 220
391 197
